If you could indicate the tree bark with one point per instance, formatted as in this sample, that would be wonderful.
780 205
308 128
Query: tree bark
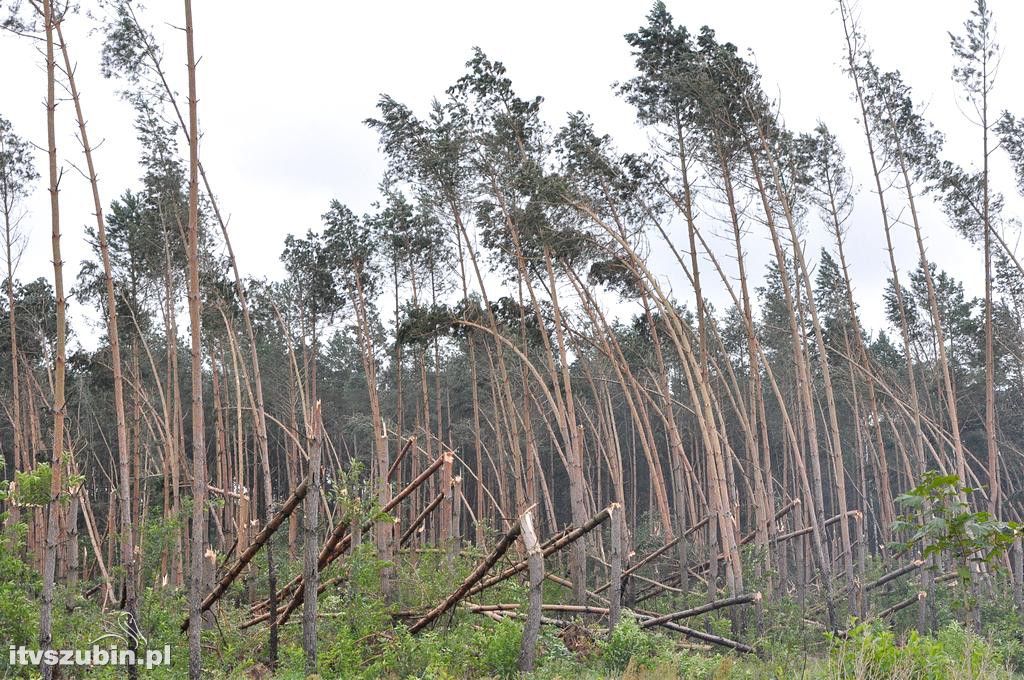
531 629
615 578
310 545
128 532
198 537
56 464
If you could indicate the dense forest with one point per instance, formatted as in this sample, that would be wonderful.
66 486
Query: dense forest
500 424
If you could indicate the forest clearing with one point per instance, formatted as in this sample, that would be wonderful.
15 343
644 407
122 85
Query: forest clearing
550 408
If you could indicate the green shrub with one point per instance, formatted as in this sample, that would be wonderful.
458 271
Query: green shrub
630 641
19 613
500 649
873 651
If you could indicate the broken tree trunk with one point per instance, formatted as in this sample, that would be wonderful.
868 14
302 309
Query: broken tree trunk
420 518
254 547
549 549
311 524
514 606
481 570
806 530
400 457
878 583
893 575
703 609
645 615
903 604
283 614
708 637
615 596
531 629
339 545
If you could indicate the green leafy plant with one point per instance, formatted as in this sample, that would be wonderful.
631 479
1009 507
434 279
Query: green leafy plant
630 642
872 650
31 488
943 524
500 653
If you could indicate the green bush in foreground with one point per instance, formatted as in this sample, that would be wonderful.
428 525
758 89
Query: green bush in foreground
874 651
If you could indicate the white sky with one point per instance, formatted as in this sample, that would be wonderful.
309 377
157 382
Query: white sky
283 96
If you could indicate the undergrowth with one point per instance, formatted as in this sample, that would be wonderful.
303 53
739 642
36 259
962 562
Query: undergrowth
363 637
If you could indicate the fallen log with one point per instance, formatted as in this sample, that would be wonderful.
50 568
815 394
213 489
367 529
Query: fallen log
892 575
481 570
703 609
806 530
226 492
658 584
415 524
708 637
548 550
902 604
225 582
545 620
556 537
337 544
643 615
401 456
513 606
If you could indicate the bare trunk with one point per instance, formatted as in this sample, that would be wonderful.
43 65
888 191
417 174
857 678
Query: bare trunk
198 538
128 530
531 629
311 544
56 462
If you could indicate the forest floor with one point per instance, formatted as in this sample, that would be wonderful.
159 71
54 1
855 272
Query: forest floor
361 636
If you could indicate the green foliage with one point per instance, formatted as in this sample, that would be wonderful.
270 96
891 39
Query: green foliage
500 653
629 642
874 651
158 540
31 489
949 527
18 612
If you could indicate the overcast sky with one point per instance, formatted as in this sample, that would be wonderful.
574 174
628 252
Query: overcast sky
283 96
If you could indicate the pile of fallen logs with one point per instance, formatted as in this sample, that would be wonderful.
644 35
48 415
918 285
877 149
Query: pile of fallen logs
480 579
478 582
606 608
336 544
